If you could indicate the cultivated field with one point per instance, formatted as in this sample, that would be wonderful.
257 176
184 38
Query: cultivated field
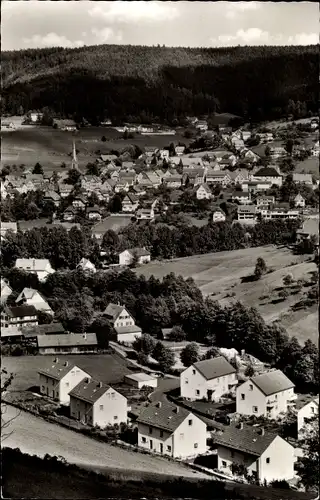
104 367
220 275
52 147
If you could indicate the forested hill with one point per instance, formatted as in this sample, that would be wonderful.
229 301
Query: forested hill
160 82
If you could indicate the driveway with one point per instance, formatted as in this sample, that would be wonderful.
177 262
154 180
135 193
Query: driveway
35 436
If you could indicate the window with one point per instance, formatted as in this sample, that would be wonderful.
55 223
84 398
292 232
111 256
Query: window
187 381
150 430
195 445
224 464
267 460
67 384
190 422
168 448
113 394
101 407
115 417
276 396
161 434
197 392
312 409
143 440
193 372
243 397
255 409
250 387
181 435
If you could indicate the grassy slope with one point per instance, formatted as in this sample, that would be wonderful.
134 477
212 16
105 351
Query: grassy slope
220 274
104 367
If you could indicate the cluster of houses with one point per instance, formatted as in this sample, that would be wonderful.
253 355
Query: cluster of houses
175 431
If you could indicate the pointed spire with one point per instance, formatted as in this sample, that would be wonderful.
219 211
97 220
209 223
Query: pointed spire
74 157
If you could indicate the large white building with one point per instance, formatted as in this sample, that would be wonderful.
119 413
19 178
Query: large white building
19 316
41 267
209 379
95 403
31 297
265 455
306 411
123 323
59 378
127 256
268 394
171 430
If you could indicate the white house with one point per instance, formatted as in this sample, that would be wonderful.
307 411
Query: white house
31 297
140 380
247 213
59 378
6 291
18 316
265 455
218 216
130 203
86 265
242 197
302 179
95 403
306 411
41 267
268 394
209 379
123 323
203 192
171 430
268 174
127 256
299 201
7 226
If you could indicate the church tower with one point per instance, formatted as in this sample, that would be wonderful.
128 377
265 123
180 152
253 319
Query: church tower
74 163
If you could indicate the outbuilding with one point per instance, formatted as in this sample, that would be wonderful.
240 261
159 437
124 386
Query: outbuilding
140 380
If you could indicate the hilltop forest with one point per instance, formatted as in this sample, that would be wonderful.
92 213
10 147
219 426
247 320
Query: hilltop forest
140 83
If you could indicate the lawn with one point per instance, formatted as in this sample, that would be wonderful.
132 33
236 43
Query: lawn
220 275
108 368
308 166
114 222
52 147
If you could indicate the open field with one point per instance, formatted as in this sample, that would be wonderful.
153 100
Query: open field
220 275
105 367
52 147
308 166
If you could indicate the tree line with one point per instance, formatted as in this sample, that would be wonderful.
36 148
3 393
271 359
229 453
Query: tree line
254 82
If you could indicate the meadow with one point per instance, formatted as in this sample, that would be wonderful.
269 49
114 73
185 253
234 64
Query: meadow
29 145
108 368
221 274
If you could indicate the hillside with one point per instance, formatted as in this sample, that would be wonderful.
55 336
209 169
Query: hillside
150 83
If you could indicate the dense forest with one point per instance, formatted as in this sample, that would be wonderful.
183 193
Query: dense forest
159 83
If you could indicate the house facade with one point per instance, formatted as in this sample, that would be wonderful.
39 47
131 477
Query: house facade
67 343
247 213
268 395
267 174
305 413
123 323
95 403
127 256
18 316
59 378
218 216
209 379
6 291
266 456
172 431
203 192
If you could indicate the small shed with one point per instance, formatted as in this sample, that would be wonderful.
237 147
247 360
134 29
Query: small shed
140 380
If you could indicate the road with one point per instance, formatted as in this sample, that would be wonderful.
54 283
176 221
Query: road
35 436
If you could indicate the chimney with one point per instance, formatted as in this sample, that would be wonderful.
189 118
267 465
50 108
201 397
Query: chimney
176 410
159 404
240 425
100 384
262 431
66 363
87 380
55 360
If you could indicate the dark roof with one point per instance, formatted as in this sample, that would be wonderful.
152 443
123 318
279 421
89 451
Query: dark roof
214 367
267 172
163 416
52 328
247 440
140 252
303 399
272 382
21 311
89 390
57 369
67 340
113 310
128 329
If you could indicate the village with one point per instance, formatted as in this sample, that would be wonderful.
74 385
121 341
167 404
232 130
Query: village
224 413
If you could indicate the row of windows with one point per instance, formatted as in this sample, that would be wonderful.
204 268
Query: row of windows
224 463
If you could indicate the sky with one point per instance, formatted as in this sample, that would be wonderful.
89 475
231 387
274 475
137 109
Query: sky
34 24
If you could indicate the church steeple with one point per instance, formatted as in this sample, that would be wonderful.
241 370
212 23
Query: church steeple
74 163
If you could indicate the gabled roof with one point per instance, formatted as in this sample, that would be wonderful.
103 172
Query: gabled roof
267 172
163 416
90 390
113 310
140 252
28 293
247 440
204 186
57 369
128 329
52 194
214 367
247 209
272 382
67 340
131 197
33 264
21 311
